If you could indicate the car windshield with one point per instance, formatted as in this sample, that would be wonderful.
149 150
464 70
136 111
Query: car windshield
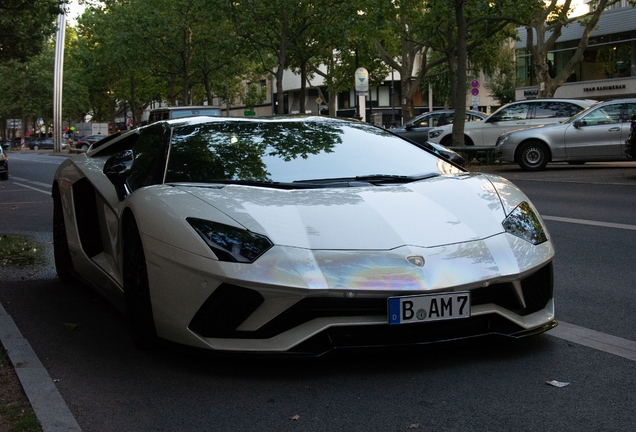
295 151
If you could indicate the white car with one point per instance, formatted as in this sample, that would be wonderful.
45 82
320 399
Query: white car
515 115
298 235
596 134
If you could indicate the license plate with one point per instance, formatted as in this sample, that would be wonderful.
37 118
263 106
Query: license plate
429 307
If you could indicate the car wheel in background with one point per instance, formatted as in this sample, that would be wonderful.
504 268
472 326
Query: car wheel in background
532 156
84 147
36 147
4 176
136 289
61 253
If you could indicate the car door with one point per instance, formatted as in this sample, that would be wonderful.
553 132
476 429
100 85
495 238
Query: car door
516 116
598 134
418 131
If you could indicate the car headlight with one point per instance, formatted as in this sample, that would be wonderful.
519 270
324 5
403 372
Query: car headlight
524 223
435 133
229 243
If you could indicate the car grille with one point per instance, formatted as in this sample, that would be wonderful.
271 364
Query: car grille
230 305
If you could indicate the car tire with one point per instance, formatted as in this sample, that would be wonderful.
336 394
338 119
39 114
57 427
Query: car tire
138 307
532 156
61 252
4 176
84 147
36 147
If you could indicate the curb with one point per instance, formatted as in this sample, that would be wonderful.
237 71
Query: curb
47 402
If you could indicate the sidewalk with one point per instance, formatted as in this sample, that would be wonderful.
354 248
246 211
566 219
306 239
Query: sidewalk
47 403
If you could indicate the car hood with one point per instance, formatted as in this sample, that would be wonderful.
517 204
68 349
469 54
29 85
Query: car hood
433 212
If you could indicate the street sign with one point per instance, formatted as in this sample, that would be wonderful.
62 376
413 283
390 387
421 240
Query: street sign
474 83
361 80
14 123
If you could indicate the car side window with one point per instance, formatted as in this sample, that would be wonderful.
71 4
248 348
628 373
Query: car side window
607 114
549 109
630 109
515 112
149 160
428 121
471 117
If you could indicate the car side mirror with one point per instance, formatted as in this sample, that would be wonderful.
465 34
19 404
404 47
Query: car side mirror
117 168
577 124
408 126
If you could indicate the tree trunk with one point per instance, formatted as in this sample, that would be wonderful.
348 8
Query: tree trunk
459 94
547 83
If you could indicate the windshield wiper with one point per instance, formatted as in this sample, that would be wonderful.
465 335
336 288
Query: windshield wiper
373 179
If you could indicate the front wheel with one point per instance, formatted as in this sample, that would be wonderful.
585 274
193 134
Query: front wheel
36 147
137 290
532 156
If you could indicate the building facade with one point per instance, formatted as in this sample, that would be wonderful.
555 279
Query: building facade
608 68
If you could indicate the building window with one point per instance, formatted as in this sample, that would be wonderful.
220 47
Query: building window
606 57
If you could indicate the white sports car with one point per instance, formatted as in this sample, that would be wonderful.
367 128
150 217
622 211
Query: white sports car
298 235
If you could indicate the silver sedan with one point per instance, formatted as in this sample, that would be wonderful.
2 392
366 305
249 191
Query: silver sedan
596 134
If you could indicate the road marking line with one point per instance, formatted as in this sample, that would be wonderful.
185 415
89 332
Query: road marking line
601 341
31 187
47 185
590 222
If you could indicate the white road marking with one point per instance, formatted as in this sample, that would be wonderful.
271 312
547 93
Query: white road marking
590 338
31 187
47 185
590 222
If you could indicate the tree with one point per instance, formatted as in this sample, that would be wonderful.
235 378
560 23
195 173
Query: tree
25 27
544 27
403 40
503 78
462 28
274 28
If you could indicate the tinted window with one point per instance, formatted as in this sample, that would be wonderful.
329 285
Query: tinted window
430 120
149 160
519 111
290 151
630 110
196 112
555 109
603 115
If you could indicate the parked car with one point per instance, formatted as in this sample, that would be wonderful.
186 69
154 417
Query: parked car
595 134
4 165
515 115
42 143
5 144
85 142
630 143
273 235
417 129
172 112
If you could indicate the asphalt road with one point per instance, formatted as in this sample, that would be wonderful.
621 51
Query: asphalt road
481 385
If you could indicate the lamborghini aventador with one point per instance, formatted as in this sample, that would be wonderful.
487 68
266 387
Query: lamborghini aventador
298 235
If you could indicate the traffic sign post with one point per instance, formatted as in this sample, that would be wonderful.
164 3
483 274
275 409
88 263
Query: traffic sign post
362 89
